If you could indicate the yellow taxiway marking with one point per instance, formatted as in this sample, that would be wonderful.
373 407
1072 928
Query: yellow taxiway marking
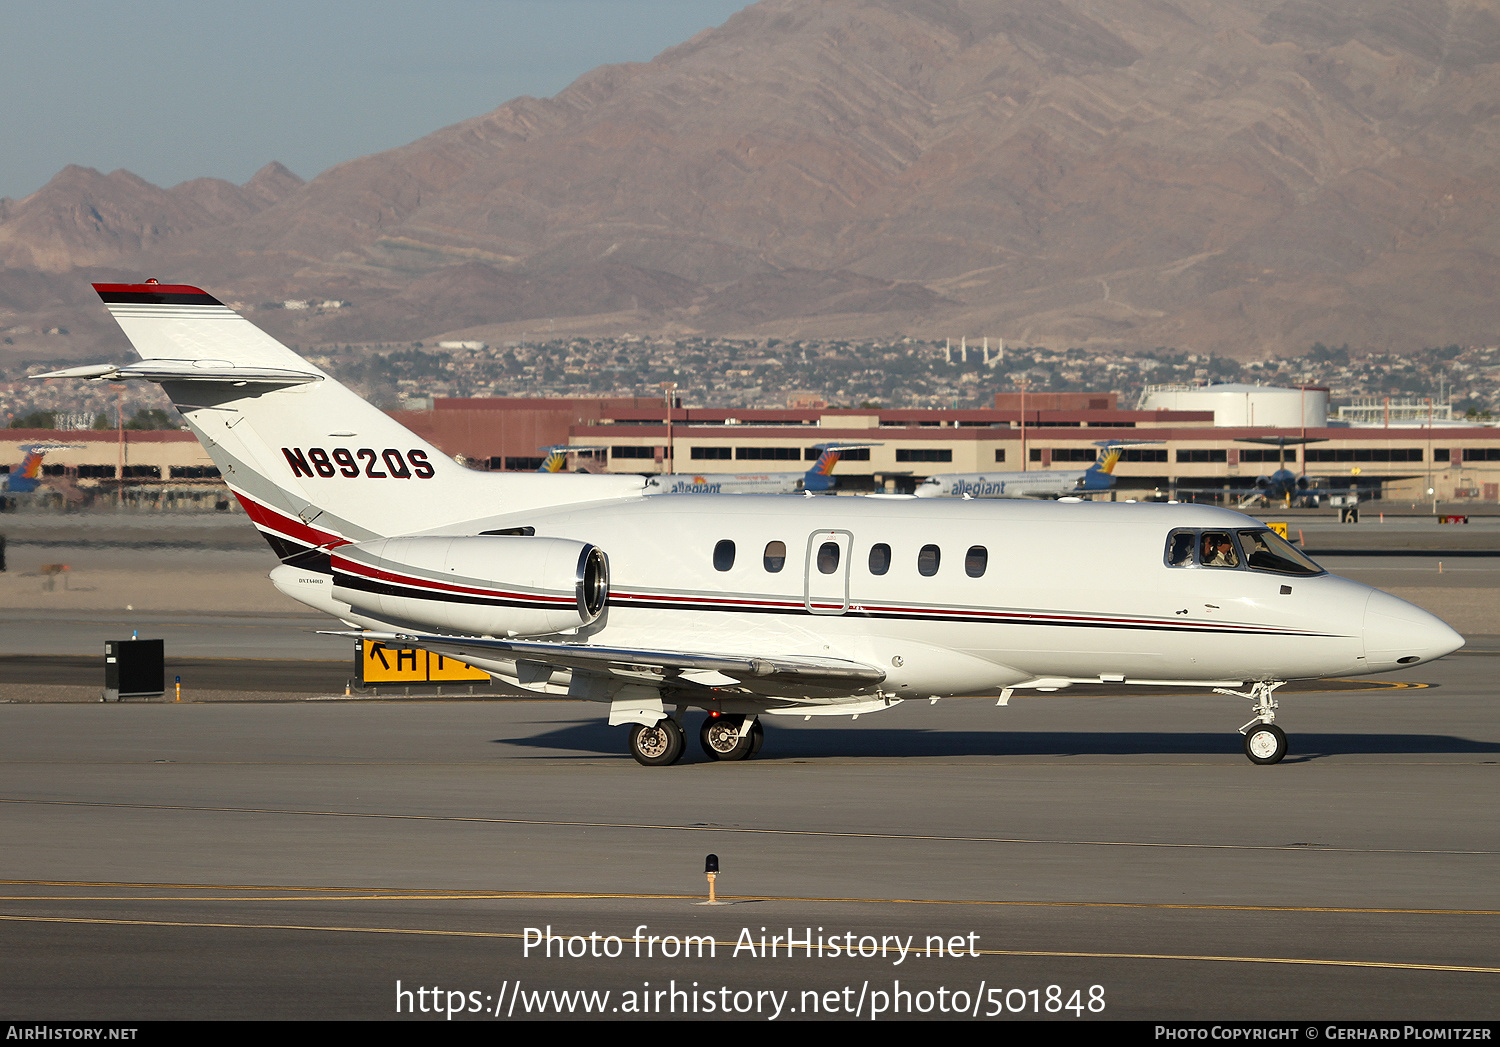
1389 965
297 893
750 830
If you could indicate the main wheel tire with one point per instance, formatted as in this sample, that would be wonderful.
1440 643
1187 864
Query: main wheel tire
757 737
720 738
1265 743
658 745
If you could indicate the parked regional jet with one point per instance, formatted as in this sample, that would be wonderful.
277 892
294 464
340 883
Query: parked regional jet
818 478
745 607
1040 483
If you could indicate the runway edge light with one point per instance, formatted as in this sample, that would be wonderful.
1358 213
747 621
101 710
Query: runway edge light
711 870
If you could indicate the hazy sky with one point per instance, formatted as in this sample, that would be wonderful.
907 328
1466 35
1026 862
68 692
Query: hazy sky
172 89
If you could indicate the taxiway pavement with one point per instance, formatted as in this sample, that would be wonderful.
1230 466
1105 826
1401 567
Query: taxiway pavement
299 859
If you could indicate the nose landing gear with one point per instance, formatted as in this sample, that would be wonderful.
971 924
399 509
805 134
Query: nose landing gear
1264 741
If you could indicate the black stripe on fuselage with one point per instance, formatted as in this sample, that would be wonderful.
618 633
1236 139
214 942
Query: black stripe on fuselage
156 298
358 582
414 592
982 619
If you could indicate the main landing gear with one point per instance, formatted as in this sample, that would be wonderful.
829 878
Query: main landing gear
1264 741
658 745
731 738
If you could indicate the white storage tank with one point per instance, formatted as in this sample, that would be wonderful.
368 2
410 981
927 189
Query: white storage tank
1244 406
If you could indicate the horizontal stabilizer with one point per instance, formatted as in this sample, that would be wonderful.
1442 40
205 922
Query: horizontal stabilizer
186 371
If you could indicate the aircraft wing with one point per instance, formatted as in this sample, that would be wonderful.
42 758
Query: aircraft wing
780 676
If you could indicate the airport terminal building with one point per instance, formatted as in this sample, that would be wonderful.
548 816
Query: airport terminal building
1166 448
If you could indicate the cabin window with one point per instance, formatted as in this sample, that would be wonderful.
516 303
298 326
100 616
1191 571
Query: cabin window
1268 551
927 561
1180 549
775 557
976 560
1217 549
880 558
828 557
724 555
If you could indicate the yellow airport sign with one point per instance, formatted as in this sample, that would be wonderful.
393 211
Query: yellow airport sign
381 664
1279 526
440 667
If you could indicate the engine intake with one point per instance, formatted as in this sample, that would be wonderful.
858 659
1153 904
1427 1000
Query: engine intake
480 585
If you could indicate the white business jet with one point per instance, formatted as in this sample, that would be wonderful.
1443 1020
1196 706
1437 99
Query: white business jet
744 606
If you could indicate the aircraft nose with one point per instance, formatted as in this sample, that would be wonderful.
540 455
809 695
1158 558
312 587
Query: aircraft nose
1398 633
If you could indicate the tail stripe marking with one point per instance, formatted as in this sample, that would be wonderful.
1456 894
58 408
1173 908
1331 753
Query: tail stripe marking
266 518
154 294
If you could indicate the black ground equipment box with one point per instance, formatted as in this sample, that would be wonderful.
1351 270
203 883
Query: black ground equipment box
133 669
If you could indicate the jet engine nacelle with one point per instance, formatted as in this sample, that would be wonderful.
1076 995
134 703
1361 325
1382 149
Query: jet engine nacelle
478 585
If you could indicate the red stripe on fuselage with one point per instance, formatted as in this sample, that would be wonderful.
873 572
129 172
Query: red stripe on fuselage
341 563
1002 617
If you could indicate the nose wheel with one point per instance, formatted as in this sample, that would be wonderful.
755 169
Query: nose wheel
658 745
1264 741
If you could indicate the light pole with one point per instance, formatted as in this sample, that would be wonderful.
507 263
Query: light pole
1431 486
667 390
1021 382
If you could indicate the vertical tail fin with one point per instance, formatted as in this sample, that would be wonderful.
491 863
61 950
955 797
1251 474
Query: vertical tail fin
313 464
820 476
826 461
31 463
1100 475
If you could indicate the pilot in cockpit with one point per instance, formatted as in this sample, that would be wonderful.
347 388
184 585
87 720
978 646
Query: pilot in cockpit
1218 550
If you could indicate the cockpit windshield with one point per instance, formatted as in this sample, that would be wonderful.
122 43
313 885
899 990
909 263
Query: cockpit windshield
1268 551
1260 549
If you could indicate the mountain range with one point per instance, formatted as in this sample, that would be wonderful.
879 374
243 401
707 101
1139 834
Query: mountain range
1243 177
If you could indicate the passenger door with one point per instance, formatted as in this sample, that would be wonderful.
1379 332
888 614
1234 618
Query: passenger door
825 572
